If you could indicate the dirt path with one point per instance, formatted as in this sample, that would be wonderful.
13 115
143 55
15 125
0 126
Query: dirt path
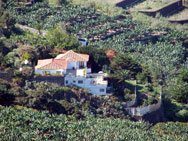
32 30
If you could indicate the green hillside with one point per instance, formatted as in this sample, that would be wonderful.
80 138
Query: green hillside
150 50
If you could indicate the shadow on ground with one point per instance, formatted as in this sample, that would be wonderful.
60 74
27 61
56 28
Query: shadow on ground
126 3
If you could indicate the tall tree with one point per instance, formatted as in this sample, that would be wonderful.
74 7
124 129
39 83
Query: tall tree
180 90
6 20
60 39
125 65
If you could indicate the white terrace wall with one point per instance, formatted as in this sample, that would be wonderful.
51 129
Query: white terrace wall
131 103
140 111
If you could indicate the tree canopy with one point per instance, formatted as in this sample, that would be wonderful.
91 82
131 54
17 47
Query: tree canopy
180 90
124 66
60 39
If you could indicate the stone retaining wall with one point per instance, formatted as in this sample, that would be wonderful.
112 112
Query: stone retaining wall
179 21
164 10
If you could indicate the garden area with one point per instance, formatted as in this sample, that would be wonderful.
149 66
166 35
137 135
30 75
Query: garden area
147 94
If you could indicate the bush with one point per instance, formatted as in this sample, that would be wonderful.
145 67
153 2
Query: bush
127 98
18 80
66 89
154 94
4 86
37 75
27 72
151 100
183 114
150 87
26 56
186 42
180 92
47 73
126 91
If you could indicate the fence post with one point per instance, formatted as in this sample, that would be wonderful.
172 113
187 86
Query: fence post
135 89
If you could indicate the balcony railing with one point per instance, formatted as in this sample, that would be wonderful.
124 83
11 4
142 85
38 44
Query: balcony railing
99 83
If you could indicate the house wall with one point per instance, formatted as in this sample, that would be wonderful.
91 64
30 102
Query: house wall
75 65
96 89
51 71
87 84
80 72
99 80
88 70
71 65
85 64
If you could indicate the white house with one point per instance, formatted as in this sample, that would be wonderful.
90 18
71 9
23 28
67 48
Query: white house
83 41
73 66
93 82
69 62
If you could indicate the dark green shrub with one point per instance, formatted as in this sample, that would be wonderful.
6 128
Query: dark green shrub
149 87
126 91
183 114
127 98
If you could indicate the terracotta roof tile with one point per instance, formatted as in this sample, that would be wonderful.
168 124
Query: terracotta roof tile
51 64
71 56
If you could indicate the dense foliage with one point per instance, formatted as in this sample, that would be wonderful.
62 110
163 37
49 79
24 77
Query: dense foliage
61 100
27 124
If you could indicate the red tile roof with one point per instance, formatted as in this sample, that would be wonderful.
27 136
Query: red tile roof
60 62
51 64
71 56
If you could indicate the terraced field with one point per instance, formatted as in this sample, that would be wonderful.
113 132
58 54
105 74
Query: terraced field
110 2
180 15
151 4
159 47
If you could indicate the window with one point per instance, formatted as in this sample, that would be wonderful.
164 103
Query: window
67 81
101 90
81 64
74 81
80 81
